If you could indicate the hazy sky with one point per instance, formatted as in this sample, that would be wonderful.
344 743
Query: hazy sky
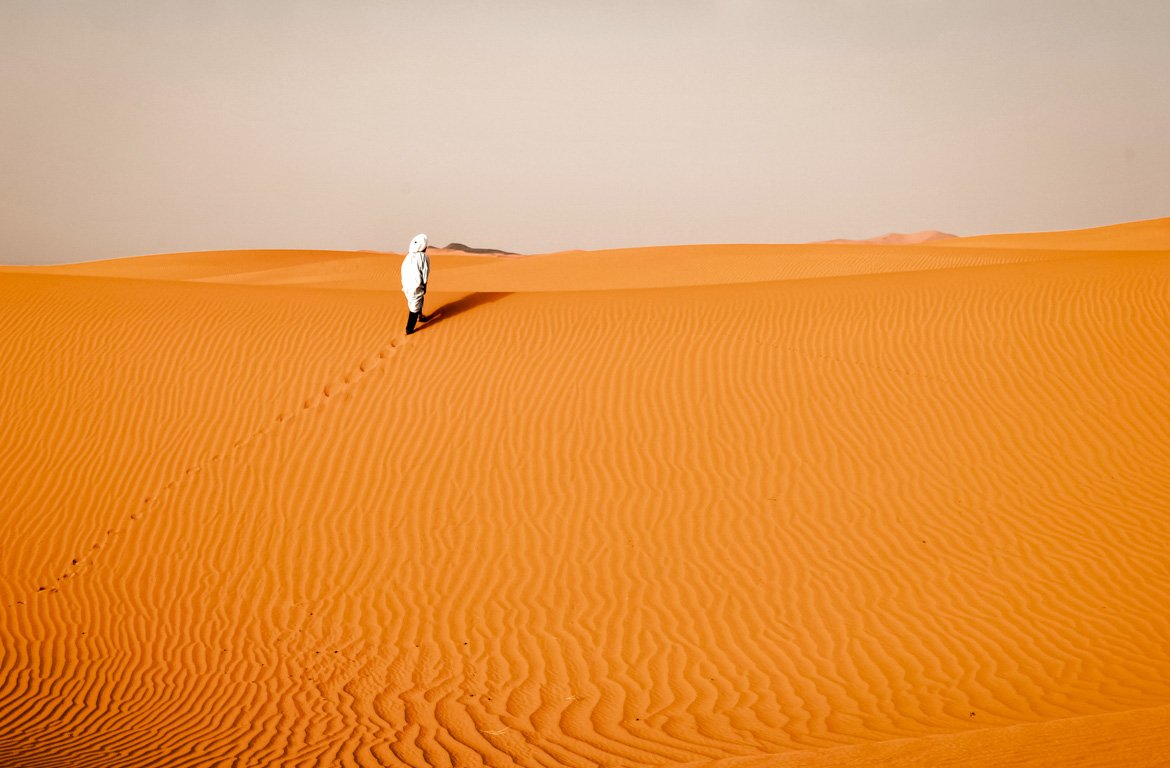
151 126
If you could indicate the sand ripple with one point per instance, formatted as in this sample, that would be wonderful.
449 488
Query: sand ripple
862 517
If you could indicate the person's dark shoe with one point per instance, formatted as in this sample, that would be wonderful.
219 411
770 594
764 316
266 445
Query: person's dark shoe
423 318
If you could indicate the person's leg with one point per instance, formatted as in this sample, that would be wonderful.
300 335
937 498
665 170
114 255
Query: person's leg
421 317
410 321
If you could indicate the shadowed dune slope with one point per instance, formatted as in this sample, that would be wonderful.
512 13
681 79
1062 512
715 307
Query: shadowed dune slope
863 519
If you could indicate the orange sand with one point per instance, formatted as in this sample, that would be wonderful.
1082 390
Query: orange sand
693 506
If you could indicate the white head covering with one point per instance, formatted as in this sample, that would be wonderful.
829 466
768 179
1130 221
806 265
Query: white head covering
416 269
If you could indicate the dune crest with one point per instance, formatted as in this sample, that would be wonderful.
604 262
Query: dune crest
898 238
1150 235
735 505
461 248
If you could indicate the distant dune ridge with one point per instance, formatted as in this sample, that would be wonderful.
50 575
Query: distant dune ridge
1149 235
898 238
468 249
732 505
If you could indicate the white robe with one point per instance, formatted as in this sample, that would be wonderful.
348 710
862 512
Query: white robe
416 268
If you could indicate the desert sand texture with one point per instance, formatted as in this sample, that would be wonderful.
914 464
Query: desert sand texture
737 505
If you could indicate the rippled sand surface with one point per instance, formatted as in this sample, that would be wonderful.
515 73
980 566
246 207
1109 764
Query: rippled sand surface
685 506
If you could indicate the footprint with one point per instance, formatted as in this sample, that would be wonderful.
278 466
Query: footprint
329 390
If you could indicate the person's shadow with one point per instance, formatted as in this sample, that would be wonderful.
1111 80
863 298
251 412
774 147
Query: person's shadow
459 306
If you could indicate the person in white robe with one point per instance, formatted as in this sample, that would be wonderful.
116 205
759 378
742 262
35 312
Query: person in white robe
416 268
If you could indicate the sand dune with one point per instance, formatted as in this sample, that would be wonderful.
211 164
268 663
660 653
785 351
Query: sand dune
695 506
899 238
1150 235
710 265
462 248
